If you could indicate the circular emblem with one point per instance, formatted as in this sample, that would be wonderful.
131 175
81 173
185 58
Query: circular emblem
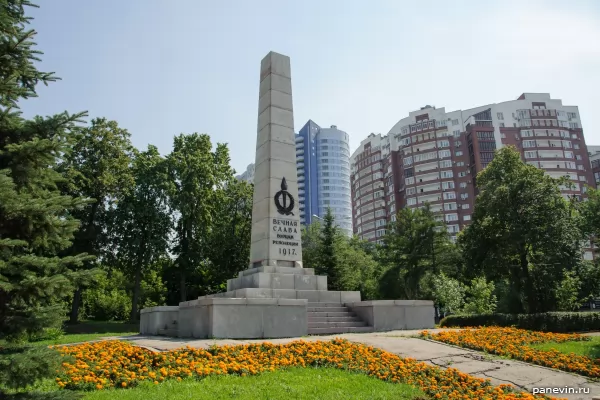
284 201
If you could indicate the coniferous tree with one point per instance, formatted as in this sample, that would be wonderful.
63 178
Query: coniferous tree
36 221
328 263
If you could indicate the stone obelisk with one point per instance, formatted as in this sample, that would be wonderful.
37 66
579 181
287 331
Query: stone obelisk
276 238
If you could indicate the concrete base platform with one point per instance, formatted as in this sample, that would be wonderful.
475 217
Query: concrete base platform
229 319
389 315
280 302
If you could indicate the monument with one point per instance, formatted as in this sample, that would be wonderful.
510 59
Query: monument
276 297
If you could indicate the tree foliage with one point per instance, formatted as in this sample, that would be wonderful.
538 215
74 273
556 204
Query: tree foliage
522 230
97 168
416 245
141 222
348 264
36 219
229 239
198 176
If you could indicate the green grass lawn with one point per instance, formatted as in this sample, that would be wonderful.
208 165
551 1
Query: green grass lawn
589 348
295 383
91 330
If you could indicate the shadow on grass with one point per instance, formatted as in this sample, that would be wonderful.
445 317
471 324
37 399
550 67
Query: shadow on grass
86 327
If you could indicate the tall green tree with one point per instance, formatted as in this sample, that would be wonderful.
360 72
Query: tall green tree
522 230
229 247
198 175
36 220
328 257
352 267
415 245
141 222
98 168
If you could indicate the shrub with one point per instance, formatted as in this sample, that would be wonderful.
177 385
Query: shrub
108 299
47 334
558 322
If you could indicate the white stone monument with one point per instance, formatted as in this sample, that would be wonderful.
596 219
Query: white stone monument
276 296
276 239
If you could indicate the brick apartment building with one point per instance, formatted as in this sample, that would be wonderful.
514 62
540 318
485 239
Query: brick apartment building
434 156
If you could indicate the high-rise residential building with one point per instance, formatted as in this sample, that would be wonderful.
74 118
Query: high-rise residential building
594 152
323 163
370 167
435 155
247 175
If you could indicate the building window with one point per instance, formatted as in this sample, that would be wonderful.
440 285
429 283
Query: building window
450 206
451 217
411 201
454 122
578 157
444 153
463 185
485 135
447 174
571 115
466 218
443 143
465 206
448 185
464 196
530 154
456 133
462 174
500 115
445 164
458 153
449 195
460 164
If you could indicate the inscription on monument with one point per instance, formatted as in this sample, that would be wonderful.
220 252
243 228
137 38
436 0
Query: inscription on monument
285 236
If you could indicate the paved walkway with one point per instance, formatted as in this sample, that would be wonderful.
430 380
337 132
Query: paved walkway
500 371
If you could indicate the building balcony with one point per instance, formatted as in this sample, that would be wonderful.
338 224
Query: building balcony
299 139
300 185
299 158
301 175
299 164
299 150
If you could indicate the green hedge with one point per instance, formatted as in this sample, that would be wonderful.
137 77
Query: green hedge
558 322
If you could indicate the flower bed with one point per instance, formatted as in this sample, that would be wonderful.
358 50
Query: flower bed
119 364
515 343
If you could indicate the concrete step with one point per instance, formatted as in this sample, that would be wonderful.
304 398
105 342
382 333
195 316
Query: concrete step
336 330
313 304
327 309
335 324
330 314
333 319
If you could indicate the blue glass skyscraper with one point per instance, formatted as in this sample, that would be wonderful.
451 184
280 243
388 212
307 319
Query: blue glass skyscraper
323 163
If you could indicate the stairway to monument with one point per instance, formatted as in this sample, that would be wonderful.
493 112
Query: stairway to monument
333 318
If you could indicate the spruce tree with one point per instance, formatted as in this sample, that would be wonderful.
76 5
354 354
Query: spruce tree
35 218
328 262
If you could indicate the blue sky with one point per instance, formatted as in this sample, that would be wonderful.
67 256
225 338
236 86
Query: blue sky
161 67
